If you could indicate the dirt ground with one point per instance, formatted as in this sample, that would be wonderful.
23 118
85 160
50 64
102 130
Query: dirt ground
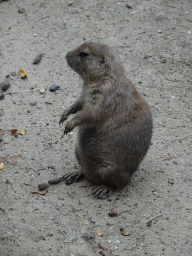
153 38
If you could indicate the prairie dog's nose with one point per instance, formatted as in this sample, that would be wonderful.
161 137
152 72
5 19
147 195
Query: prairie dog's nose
68 55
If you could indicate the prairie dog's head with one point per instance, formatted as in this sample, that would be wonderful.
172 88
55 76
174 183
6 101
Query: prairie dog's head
93 61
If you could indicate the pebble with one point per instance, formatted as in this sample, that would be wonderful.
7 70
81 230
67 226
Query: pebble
5 85
37 59
54 88
92 220
1 96
42 91
43 186
13 73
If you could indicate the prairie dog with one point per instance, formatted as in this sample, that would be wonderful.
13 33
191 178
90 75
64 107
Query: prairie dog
115 122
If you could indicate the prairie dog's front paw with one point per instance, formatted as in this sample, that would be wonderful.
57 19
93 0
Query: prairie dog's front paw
68 127
63 118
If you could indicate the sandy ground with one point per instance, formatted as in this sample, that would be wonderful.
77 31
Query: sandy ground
154 41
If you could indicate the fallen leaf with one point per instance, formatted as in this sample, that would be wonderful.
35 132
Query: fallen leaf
23 132
23 77
21 10
33 103
112 213
99 233
123 232
14 131
38 193
1 166
22 73
102 246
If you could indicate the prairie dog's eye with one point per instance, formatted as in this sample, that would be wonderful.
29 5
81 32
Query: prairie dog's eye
83 54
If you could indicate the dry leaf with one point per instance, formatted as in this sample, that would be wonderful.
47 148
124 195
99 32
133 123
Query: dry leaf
99 233
22 73
23 132
112 213
123 232
1 166
33 103
23 77
14 131
102 246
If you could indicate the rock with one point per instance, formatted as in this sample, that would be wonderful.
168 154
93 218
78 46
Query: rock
5 85
1 96
54 88
13 74
37 59
92 220
42 91
43 186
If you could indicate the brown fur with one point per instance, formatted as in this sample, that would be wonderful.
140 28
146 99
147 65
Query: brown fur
115 122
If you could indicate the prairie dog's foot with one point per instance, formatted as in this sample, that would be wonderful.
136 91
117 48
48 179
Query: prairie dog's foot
69 127
73 176
102 192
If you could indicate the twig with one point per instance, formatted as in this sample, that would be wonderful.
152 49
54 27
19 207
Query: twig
77 235
16 4
171 80
43 18
154 217
182 138
169 158
22 91
62 233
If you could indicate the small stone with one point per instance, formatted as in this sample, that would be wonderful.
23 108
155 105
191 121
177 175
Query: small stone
1 96
5 85
92 220
13 74
54 88
43 186
37 59
129 6
42 91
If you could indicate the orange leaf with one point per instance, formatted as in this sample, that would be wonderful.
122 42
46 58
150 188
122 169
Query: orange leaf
99 233
22 73
123 232
14 131
23 132
1 166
